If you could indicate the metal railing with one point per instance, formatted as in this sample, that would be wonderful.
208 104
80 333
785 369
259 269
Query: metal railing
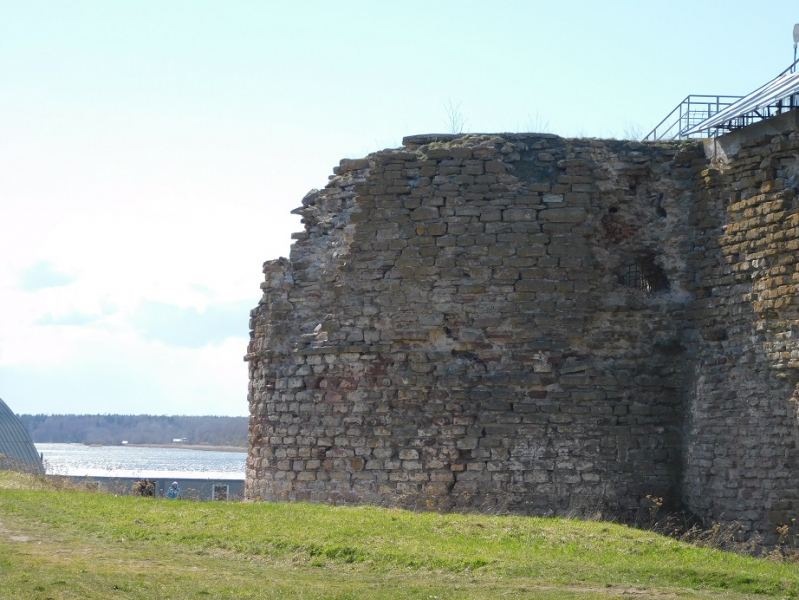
691 111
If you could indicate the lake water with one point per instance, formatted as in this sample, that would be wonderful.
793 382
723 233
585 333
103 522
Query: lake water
150 463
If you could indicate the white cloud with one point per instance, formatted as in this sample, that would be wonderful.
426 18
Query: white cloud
72 318
189 327
124 374
41 275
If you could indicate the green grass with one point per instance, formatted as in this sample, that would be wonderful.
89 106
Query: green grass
74 544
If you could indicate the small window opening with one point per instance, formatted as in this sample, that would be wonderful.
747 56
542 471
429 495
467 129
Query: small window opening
643 274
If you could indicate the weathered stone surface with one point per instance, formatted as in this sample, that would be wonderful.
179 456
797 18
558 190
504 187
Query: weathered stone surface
537 323
424 213
563 215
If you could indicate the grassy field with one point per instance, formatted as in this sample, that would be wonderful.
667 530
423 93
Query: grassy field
75 544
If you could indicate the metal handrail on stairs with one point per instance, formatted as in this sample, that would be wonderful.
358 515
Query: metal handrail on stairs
691 111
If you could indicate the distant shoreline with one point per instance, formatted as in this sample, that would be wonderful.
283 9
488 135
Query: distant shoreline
190 447
207 447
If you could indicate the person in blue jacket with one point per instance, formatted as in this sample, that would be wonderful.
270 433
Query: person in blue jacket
174 491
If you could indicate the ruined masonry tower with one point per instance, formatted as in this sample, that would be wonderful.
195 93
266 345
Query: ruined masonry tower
539 325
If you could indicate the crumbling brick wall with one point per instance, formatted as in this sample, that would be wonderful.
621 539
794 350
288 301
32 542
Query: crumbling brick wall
742 430
531 323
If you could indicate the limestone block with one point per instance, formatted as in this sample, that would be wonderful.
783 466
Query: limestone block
424 213
563 215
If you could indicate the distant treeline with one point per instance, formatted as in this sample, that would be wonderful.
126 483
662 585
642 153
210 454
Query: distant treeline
110 430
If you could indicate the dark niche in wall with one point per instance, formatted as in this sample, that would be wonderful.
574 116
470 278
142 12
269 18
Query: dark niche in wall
642 273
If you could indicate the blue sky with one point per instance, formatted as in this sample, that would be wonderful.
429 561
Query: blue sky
151 152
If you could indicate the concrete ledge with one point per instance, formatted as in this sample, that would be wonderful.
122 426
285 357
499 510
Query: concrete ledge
724 147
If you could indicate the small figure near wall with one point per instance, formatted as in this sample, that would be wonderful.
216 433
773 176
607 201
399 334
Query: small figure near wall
174 492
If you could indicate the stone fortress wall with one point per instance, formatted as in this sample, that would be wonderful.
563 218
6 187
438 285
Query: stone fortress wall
538 325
